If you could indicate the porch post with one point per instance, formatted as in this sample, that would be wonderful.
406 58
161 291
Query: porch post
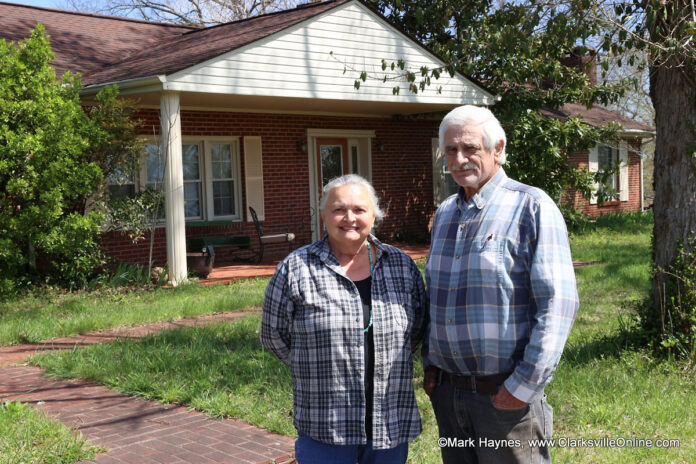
170 120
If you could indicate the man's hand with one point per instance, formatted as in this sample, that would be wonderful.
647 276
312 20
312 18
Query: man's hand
504 400
430 379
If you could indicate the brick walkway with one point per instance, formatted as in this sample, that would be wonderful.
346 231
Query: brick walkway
133 430
136 431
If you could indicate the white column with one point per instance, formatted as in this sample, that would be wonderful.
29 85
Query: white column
170 119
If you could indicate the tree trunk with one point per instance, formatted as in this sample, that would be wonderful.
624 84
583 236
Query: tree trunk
674 97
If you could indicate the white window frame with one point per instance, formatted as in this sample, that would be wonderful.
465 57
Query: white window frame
614 162
201 177
205 175
124 181
236 177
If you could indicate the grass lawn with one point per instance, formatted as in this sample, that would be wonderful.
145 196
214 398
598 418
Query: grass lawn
47 315
27 436
604 386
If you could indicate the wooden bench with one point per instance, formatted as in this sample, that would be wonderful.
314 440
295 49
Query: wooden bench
201 255
219 241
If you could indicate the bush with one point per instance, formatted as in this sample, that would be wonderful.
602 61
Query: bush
671 322
52 159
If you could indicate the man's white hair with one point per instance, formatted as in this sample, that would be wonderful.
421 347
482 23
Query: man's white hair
491 129
352 179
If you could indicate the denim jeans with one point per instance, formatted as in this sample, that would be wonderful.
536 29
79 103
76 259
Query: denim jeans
310 451
473 430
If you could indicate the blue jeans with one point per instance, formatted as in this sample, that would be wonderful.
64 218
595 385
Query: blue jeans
478 432
310 451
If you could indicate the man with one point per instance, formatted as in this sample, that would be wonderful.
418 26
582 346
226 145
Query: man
502 301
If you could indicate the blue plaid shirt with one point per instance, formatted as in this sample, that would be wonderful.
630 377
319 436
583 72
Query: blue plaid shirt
312 320
502 287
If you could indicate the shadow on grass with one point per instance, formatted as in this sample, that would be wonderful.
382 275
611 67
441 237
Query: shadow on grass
220 369
583 352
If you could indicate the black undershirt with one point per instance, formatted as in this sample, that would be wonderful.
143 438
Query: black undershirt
365 289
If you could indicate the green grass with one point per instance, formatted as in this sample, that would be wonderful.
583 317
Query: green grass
27 436
605 385
43 316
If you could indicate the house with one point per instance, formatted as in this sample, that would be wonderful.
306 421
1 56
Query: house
625 151
262 112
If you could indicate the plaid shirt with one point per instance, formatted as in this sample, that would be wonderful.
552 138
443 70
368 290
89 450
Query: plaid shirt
501 284
312 320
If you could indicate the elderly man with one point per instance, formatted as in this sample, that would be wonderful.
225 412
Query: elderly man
502 301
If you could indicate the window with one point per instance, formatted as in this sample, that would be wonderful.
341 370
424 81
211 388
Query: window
608 162
121 183
223 185
192 181
211 178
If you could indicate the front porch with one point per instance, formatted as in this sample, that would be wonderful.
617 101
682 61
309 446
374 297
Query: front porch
230 272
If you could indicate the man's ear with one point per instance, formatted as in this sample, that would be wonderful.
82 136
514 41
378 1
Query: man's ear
499 150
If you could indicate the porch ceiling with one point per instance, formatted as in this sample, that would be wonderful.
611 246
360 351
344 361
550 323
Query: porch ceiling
194 100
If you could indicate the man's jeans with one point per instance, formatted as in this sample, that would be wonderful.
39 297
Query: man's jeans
473 430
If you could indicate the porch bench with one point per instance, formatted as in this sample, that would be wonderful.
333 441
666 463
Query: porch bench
211 242
238 241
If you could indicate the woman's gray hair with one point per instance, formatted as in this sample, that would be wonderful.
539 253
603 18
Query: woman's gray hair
352 179
491 129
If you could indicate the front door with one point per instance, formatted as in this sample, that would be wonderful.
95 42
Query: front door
332 161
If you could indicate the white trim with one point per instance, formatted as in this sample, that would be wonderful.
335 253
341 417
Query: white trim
624 187
343 133
593 166
313 190
253 177
642 183
236 176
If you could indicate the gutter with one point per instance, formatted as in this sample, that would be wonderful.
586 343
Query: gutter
130 86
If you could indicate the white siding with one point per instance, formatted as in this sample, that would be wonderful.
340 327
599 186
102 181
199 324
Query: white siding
309 60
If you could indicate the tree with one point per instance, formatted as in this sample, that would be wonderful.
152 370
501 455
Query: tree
49 166
522 64
666 30
186 12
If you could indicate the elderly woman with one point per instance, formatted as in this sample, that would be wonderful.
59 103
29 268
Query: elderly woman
345 314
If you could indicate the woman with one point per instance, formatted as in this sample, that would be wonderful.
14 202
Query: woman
345 314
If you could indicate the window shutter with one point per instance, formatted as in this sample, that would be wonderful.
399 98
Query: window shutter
438 173
253 174
623 171
593 161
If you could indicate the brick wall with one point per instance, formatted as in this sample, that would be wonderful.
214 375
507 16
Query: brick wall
633 204
401 174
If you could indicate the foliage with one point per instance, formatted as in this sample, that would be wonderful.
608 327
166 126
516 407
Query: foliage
52 159
128 275
522 64
27 436
114 143
136 214
673 329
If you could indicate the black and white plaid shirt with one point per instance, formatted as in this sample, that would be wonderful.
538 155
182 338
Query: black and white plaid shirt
313 321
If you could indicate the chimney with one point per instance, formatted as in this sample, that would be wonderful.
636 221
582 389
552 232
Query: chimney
584 63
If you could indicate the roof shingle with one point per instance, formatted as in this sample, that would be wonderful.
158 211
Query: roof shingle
84 42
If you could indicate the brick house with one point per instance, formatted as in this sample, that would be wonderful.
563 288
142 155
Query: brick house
262 112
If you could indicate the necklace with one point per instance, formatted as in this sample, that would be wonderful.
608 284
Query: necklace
369 256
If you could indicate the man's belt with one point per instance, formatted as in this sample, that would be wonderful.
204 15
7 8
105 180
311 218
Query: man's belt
482 384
